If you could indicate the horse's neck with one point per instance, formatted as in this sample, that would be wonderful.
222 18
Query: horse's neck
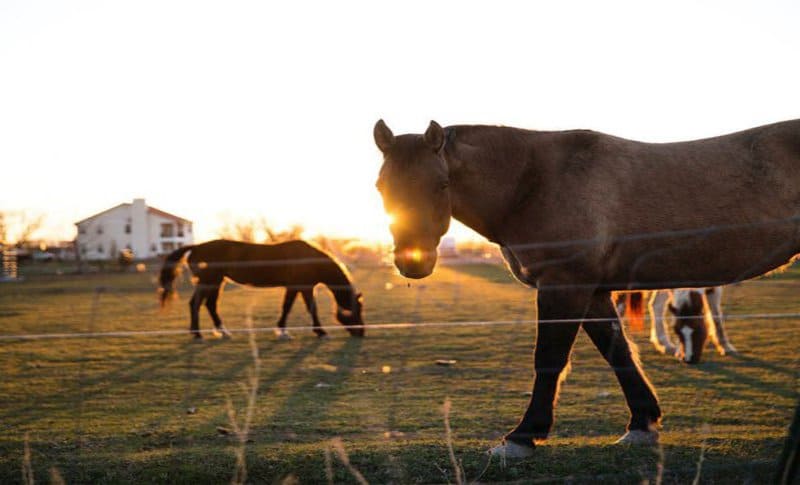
484 182
337 281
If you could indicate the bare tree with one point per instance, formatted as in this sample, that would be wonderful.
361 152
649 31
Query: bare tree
294 232
258 230
3 228
25 225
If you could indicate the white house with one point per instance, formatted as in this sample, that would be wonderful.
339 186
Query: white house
146 231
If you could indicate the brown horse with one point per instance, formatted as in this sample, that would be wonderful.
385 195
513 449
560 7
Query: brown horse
579 214
295 265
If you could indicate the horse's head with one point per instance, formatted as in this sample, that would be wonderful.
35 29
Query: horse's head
691 325
413 182
351 316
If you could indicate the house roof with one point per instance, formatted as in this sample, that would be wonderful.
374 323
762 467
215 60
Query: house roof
124 204
150 210
159 212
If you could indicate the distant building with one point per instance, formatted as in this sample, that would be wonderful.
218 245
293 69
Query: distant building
8 263
146 231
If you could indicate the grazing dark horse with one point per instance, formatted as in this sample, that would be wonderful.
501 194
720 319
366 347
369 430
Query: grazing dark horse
579 214
296 265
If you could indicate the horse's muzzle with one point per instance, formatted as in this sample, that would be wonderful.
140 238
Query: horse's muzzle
415 263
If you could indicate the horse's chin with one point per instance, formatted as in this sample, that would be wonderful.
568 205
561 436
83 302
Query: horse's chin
415 275
416 271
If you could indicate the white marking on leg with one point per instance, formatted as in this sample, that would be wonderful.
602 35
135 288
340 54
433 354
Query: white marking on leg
658 332
687 343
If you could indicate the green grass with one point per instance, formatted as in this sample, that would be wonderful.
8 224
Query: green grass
114 410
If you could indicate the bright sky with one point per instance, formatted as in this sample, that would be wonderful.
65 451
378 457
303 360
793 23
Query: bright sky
242 109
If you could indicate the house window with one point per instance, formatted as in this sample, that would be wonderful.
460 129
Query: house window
167 230
100 248
83 249
168 247
128 228
153 248
99 229
180 229
81 229
188 228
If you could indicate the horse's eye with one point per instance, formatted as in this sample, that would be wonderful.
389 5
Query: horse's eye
444 185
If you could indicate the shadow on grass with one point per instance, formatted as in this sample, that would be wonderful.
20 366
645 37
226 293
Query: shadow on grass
86 388
422 462
313 398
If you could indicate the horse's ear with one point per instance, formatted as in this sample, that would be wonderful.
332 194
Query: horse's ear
434 136
384 137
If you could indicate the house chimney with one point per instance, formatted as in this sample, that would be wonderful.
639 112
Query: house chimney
140 236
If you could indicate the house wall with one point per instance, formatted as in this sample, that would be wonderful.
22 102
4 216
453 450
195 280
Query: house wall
141 234
104 236
131 226
163 242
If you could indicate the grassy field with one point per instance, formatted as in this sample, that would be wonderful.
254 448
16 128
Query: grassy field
116 409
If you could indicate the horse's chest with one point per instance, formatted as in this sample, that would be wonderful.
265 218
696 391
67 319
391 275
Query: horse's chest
516 267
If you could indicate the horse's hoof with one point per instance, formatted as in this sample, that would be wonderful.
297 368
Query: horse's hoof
221 333
284 335
323 336
639 437
510 449
197 338
730 350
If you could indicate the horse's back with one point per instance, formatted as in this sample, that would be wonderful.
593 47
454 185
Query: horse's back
730 202
695 213
287 263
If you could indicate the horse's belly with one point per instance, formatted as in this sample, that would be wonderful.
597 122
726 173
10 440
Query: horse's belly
711 260
256 278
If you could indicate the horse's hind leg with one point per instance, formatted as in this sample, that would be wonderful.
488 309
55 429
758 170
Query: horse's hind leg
659 336
194 311
311 306
211 305
719 337
608 336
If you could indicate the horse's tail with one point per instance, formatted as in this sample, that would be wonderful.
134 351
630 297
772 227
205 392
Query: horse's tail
634 310
169 271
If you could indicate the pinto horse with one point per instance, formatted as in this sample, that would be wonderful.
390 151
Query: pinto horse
703 302
691 312
295 265
579 214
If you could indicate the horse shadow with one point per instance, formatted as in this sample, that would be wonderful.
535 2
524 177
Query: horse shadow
134 370
328 388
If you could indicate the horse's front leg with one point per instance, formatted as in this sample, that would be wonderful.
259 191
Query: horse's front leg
311 306
554 341
719 337
659 336
608 336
